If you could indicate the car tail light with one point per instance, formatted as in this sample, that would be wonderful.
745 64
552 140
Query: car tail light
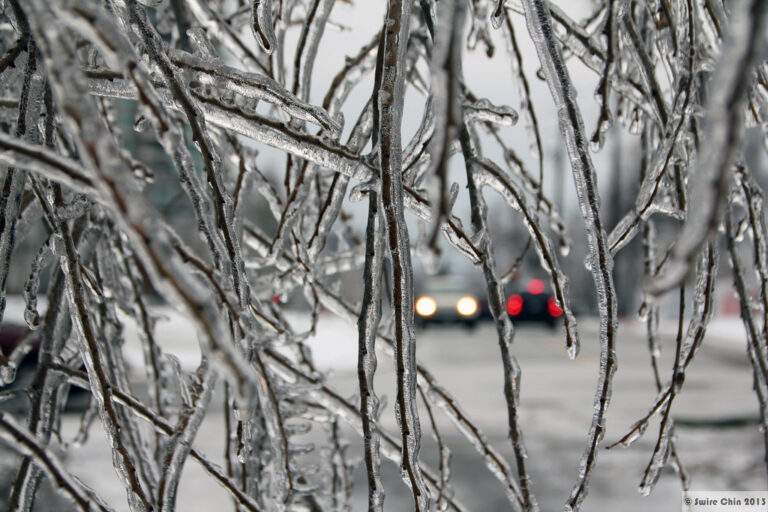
466 306
426 306
553 308
514 304
535 287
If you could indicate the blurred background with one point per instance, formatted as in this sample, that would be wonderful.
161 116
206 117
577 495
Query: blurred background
716 416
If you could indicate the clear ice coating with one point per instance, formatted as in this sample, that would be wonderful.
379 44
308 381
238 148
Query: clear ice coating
539 20
189 162
7 373
261 24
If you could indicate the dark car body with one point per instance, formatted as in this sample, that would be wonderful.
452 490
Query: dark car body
534 303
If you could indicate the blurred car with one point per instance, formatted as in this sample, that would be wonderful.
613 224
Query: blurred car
534 303
446 299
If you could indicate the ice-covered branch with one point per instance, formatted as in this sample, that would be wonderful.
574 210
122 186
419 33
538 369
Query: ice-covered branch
743 48
142 141
601 262
389 98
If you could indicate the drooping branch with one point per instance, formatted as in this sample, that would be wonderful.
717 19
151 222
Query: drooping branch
539 22
389 98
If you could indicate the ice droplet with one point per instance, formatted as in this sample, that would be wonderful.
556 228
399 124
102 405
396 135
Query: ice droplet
643 311
57 246
497 17
261 25
573 350
241 454
140 124
7 373
32 317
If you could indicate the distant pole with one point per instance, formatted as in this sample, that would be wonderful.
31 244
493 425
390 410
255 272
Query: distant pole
559 166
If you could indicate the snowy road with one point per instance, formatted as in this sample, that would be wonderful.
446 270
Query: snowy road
555 413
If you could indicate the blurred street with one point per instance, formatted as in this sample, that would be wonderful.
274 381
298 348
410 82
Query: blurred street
555 416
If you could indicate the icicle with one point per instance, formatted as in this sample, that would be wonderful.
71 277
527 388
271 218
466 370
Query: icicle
31 286
255 86
261 25
179 445
367 325
484 110
497 16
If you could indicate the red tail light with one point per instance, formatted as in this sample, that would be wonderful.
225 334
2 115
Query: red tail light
553 308
514 304
535 287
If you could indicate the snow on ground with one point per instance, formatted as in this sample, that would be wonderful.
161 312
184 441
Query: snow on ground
555 412
334 345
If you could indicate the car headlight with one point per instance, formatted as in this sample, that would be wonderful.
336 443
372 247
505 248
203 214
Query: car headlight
426 306
466 306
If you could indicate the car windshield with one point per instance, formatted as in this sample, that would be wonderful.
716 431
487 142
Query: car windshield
445 286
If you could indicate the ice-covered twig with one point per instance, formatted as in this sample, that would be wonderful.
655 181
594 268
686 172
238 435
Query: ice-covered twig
697 327
444 452
254 85
20 439
664 447
488 173
125 465
526 101
663 157
222 202
309 41
13 184
614 13
389 96
134 216
742 50
47 163
164 426
261 23
446 102
219 29
755 335
651 313
180 443
601 262
647 71
435 392
504 329
368 325
45 391
329 399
